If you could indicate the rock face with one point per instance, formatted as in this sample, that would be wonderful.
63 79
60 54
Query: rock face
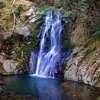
84 65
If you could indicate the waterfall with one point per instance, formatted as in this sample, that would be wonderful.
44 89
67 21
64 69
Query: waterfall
48 59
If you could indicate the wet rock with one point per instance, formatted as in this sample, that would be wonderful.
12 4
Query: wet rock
33 58
64 85
1 89
59 74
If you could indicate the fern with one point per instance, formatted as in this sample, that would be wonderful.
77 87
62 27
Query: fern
65 16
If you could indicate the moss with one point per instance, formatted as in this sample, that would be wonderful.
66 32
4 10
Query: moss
66 35
17 26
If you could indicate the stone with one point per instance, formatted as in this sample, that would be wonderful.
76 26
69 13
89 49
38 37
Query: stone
24 31
30 12
9 67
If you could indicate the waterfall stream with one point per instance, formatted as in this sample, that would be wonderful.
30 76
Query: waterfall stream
48 59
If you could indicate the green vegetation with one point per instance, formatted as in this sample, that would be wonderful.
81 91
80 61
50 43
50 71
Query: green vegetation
83 8
1 11
66 16
18 9
17 26
60 2
32 44
41 8
44 8
96 31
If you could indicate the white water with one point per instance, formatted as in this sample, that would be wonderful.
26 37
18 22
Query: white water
50 45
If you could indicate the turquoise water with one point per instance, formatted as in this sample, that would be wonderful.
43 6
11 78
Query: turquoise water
49 88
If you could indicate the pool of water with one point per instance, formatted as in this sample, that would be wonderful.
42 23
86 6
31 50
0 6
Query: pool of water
49 88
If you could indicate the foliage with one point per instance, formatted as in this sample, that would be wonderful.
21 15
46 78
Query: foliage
31 43
6 15
28 48
5 2
43 8
61 2
83 6
18 9
17 26
65 16
96 31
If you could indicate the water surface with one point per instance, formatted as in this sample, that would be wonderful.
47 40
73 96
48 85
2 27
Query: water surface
49 88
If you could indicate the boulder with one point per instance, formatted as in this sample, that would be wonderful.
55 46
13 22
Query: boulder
24 31
8 67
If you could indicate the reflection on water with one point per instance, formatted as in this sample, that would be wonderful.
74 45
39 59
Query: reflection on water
49 89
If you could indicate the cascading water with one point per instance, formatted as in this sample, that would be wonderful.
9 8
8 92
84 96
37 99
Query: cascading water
49 54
